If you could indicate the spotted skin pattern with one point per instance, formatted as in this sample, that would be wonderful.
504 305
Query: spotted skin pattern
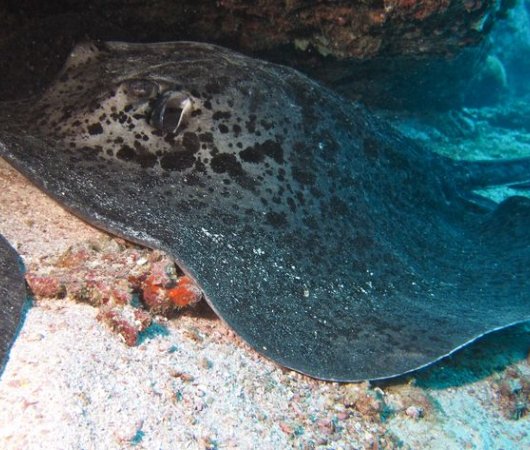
329 242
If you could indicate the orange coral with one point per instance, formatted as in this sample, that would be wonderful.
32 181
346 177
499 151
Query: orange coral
186 292
161 299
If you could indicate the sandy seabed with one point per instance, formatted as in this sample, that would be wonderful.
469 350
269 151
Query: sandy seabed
71 383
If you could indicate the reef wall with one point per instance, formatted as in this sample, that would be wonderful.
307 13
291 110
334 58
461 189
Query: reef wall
376 50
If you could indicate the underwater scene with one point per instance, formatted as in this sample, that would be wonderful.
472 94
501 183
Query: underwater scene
265 225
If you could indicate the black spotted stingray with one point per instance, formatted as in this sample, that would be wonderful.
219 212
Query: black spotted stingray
328 241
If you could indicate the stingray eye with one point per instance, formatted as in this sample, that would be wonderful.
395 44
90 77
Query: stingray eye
170 111
140 89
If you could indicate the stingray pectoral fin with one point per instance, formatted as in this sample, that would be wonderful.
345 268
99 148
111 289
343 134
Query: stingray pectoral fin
481 174
12 298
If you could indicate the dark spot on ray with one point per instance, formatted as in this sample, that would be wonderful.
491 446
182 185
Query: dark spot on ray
206 137
207 104
248 183
226 163
200 167
277 220
300 197
146 159
303 176
196 112
126 153
170 138
257 153
190 141
251 154
143 156
223 128
266 124
251 123
177 161
218 115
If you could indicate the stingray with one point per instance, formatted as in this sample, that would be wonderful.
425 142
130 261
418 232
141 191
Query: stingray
12 298
328 241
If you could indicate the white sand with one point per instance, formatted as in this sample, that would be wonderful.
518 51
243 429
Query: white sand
71 383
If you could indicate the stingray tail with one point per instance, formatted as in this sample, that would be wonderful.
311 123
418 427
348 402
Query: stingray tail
480 174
